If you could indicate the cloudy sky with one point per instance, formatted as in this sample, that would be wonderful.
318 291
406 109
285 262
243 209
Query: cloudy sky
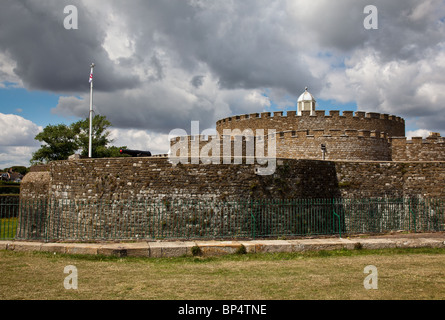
163 63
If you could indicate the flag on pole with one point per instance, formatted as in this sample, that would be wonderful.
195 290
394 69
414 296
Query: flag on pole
91 75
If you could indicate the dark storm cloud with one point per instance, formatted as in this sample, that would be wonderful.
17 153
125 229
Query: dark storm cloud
246 44
50 57
433 122
236 47
197 81
157 110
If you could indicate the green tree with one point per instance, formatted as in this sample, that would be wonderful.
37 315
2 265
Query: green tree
61 141
20 169
100 135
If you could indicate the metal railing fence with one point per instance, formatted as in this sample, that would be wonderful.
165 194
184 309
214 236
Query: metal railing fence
49 220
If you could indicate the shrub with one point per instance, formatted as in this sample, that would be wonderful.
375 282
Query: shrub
241 250
196 251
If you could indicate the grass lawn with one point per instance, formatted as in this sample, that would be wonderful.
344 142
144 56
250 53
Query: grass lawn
402 274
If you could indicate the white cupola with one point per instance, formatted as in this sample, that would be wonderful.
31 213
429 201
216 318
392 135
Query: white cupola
306 102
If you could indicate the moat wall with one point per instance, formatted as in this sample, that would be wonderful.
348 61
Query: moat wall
157 178
117 192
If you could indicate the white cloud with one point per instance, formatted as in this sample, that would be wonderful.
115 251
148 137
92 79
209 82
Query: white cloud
418 133
259 100
15 156
408 89
140 140
17 140
423 10
7 74
17 131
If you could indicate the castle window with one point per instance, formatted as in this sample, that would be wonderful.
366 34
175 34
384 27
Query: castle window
294 133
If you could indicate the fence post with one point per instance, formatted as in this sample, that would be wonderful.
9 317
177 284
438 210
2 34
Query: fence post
253 223
414 216
48 223
335 214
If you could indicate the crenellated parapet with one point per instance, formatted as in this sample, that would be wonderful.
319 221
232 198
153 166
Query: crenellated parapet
392 125
347 144
431 148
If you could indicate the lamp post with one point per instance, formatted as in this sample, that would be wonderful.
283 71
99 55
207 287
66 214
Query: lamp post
323 151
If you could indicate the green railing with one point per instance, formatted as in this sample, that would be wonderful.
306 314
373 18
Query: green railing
49 220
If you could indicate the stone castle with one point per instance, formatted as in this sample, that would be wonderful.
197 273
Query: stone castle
311 134
318 156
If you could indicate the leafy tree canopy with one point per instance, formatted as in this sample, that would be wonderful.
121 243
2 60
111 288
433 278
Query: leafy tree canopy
60 141
19 169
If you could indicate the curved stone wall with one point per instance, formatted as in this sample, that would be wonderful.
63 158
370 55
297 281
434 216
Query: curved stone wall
351 144
391 125
34 196
144 198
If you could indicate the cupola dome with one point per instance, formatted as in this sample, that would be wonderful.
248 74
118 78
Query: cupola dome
306 102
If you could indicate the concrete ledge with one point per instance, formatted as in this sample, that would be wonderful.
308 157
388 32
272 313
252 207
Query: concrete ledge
377 243
271 246
23 246
53 247
171 249
216 248
420 243
250 247
140 249
164 249
321 244
80 248
118 250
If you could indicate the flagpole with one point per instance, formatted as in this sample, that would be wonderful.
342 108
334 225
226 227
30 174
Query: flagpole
90 146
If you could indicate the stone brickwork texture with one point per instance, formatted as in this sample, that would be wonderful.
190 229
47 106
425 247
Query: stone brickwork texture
117 188
156 178
392 125
301 144
418 149
359 136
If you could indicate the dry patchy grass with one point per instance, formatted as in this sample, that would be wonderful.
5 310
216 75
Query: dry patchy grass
403 274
